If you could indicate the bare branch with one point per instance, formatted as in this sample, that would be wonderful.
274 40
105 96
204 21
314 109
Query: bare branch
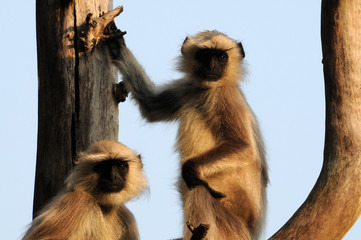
334 203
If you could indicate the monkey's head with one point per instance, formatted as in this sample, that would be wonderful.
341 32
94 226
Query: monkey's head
109 171
210 57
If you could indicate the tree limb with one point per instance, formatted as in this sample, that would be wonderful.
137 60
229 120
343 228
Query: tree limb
334 203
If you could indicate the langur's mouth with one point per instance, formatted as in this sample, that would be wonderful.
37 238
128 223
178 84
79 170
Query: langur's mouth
113 188
209 76
212 77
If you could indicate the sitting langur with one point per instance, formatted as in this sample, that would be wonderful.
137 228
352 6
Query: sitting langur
91 206
224 173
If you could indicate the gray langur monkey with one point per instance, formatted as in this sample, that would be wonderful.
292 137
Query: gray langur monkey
224 171
91 206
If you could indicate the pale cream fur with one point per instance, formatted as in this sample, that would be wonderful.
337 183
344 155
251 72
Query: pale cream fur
79 212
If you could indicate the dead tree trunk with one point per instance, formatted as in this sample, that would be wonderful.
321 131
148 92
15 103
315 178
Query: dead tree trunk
76 106
334 203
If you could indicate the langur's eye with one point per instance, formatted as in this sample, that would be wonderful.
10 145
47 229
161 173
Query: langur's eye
122 166
222 57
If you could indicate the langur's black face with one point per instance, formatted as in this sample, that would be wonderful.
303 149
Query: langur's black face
212 63
112 175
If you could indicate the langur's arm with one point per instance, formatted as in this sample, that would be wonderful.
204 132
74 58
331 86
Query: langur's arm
192 168
155 104
234 136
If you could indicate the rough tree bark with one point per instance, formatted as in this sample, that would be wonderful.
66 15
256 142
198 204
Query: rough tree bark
334 203
76 106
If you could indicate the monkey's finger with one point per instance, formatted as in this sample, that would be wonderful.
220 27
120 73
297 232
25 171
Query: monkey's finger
119 34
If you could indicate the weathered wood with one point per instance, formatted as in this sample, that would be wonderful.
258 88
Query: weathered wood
334 203
76 105
95 27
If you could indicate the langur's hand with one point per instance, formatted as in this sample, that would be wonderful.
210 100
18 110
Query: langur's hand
191 177
115 40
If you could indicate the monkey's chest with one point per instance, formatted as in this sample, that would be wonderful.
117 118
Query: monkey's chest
194 135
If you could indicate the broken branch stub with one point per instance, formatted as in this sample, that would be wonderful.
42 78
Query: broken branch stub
95 28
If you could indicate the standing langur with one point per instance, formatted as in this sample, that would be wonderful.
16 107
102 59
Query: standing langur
224 172
91 206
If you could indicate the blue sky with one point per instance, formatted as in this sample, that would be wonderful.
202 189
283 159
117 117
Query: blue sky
284 86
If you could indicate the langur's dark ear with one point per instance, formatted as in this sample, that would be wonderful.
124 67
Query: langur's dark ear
140 159
185 40
241 50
